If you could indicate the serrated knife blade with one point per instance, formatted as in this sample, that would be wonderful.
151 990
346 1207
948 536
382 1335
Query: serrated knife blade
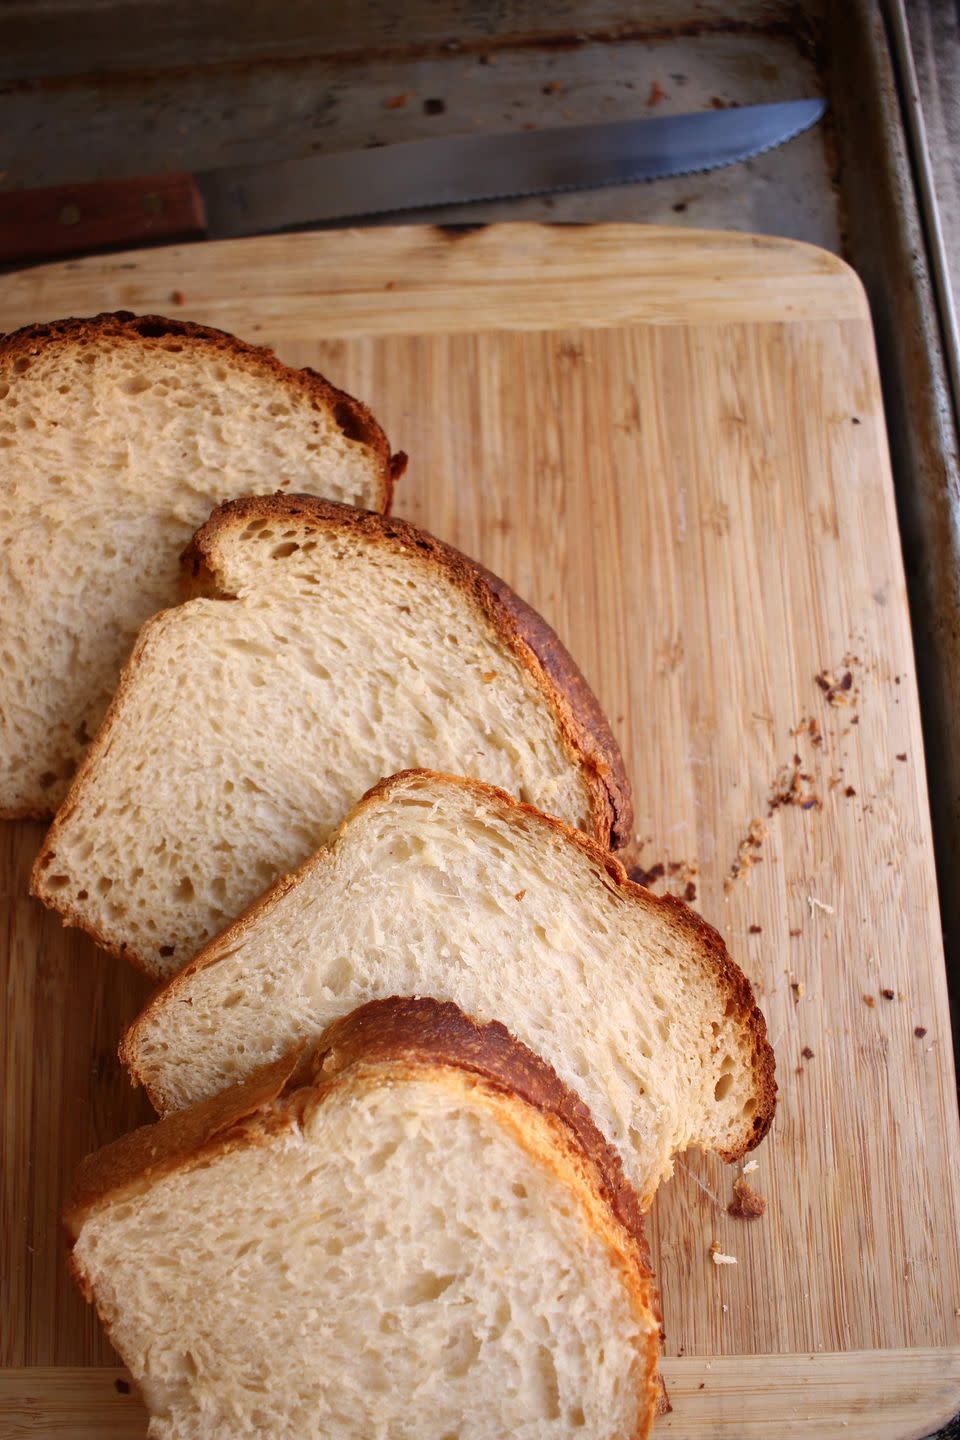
455 169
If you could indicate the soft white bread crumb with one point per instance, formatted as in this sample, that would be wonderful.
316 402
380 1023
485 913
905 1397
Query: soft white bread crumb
443 887
118 435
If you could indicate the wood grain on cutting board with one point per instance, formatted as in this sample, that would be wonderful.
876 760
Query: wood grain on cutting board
672 444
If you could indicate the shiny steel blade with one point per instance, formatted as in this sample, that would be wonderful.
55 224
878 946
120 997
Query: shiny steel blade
454 169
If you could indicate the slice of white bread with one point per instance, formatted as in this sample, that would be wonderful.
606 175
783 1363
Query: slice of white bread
337 647
118 435
414 1233
446 887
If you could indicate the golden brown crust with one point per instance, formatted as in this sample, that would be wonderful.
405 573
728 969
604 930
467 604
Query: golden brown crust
404 1036
596 737
729 977
537 647
152 332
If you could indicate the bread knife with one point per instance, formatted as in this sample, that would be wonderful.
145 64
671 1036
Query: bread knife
390 179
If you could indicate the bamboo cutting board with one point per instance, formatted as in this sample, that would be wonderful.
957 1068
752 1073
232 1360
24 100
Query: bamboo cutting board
672 444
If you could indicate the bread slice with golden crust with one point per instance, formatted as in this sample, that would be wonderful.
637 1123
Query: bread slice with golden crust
118 435
412 1231
326 647
445 887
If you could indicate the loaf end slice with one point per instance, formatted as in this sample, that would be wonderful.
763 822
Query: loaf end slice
119 434
442 886
412 1229
324 648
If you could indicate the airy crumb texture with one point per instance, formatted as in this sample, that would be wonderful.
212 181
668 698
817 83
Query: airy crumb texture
118 435
427 1240
444 887
339 647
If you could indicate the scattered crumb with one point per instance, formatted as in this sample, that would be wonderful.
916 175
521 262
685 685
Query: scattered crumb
887 994
810 726
748 853
869 1000
434 107
177 297
795 933
718 104
807 1053
836 689
702 1385
647 877
681 873
750 1166
395 102
903 758
746 1203
849 792
122 1387
718 1257
756 929
678 209
920 1031
390 285
725 1309
792 786
816 904
799 990
520 894
657 93
854 419
553 87
489 675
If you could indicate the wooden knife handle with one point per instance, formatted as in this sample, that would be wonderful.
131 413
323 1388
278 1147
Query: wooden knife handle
77 219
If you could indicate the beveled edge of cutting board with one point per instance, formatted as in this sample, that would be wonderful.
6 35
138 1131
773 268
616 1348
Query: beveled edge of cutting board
419 279
857 1395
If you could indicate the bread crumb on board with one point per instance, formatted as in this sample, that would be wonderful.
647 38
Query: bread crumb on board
748 853
679 876
750 1166
837 689
718 1257
746 1204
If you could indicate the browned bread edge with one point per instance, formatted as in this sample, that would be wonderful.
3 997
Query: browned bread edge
407 1034
730 977
536 645
150 331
